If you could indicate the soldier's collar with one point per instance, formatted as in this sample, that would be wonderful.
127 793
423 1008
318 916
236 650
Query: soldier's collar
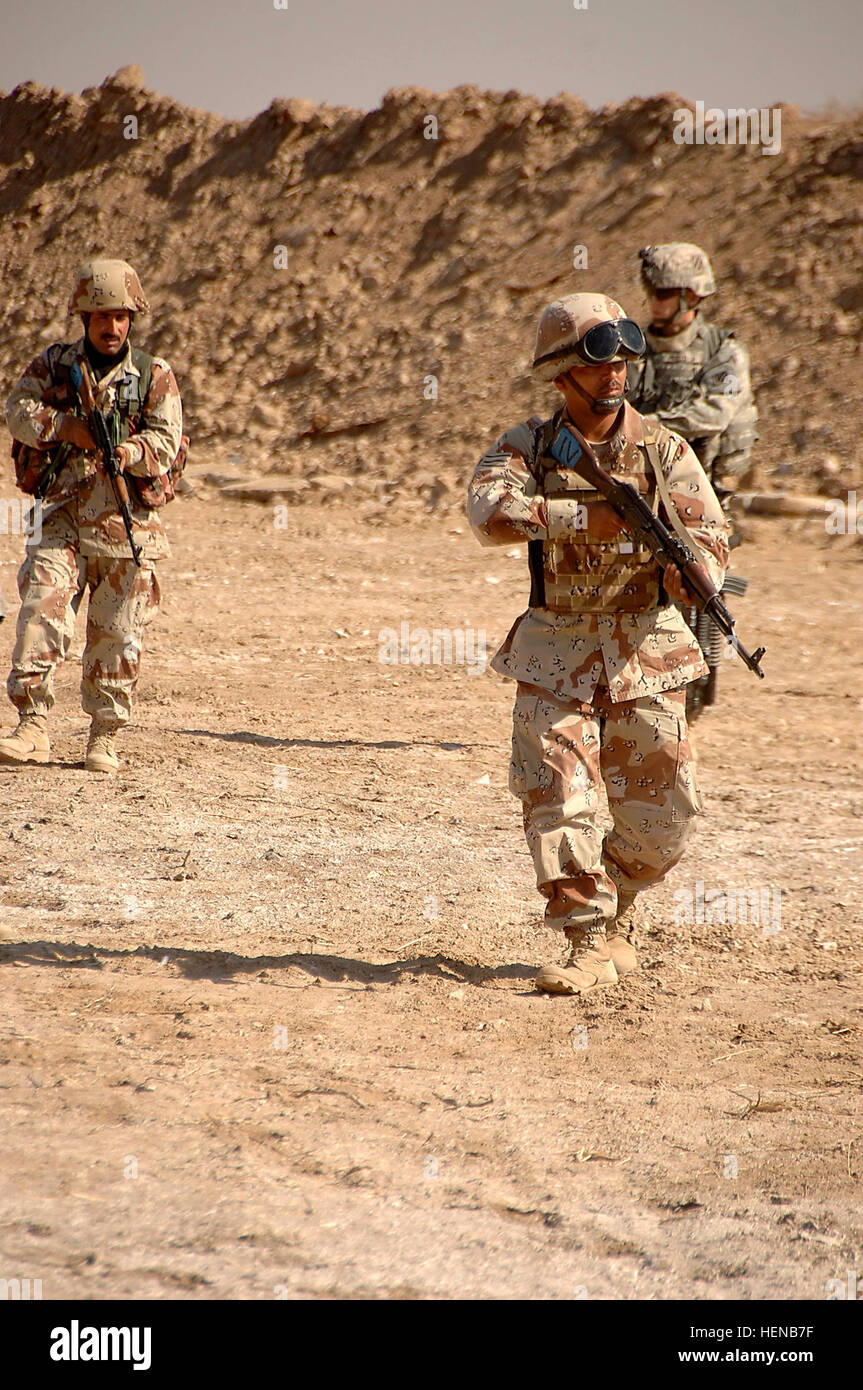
629 429
657 343
125 366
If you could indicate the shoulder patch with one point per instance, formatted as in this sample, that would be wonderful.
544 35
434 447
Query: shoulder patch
520 438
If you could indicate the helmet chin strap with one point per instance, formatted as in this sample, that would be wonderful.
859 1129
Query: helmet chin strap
683 307
600 405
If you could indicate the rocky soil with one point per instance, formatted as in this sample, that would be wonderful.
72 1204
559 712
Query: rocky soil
352 304
268 1025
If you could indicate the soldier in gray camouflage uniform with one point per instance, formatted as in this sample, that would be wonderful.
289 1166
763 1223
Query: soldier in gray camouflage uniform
83 542
602 656
694 379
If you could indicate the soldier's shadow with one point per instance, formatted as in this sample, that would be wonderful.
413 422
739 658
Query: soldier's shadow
225 966
65 764
268 741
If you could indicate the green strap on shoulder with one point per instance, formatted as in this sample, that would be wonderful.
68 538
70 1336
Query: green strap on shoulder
144 362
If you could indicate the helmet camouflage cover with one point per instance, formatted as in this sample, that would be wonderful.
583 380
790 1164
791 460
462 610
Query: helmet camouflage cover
563 324
107 285
677 265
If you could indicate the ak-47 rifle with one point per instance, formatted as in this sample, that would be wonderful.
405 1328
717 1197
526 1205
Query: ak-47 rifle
83 383
642 524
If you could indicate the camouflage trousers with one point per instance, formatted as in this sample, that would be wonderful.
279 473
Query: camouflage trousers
123 599
561 753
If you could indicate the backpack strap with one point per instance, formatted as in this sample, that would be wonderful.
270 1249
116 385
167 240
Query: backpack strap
712 338
53 353
534 548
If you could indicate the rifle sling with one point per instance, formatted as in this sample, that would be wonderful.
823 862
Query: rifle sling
670 510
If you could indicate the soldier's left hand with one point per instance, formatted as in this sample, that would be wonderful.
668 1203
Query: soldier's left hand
121 454
672 582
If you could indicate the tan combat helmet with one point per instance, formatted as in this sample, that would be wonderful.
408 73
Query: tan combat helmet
677 265
564 324
107 285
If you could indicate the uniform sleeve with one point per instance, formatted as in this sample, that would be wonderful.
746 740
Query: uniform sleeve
723 390
696 503
27 416
154 448
502 502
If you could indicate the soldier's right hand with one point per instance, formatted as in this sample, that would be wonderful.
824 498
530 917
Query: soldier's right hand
77 432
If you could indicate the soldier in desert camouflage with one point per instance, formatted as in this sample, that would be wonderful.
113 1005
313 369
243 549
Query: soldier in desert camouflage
694 379
83 543
602 656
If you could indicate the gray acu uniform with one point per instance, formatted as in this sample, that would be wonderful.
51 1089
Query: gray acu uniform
697 384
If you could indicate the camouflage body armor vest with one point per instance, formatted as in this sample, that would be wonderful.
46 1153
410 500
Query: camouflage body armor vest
667 383
36 470
130 391
596 568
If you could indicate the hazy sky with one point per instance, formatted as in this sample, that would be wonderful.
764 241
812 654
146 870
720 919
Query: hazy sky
234 56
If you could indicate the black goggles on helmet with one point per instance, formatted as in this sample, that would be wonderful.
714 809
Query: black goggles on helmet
614 338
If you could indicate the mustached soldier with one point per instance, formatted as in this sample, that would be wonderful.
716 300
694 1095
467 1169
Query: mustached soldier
694 379
83 542
602 656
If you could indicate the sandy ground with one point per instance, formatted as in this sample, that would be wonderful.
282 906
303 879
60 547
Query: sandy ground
268 1026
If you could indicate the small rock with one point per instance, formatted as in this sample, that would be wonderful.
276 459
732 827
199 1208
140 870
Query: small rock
333 483
268 415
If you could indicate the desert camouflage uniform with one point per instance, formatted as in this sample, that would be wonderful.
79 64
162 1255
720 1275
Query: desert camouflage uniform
83 542
601 659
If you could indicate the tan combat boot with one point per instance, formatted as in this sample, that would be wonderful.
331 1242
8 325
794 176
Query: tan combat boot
101 756
622 943
589 966
29 743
